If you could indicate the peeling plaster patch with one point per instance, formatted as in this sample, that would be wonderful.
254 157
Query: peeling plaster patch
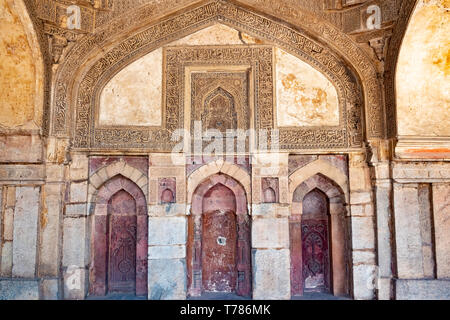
305 97
423 72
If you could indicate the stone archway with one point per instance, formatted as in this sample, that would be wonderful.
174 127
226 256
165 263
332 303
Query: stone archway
119 239
219 200
81 99
334 211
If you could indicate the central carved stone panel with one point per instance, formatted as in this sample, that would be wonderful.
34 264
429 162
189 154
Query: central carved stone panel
220 100
220 86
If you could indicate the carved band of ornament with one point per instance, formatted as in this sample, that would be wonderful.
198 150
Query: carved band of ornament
167 31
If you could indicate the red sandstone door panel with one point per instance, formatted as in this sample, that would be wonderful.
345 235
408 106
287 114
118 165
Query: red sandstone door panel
219 251
316 270
122 254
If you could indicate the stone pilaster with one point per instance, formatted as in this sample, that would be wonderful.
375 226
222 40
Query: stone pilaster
75 229
167 230
21 203
385 232
421 191
26 216
270 230
8 204
362 227
382 183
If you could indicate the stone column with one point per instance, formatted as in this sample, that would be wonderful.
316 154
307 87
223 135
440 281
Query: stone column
270 230
50 227
382 181
385 232
76 237
362 227
167 230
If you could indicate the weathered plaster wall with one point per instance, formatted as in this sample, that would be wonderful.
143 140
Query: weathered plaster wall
423 72
305 97
21 70
133 96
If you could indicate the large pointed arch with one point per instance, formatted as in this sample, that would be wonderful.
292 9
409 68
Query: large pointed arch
318 167
219 167
100 65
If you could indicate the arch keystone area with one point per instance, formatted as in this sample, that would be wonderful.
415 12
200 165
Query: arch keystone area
215 167
318 167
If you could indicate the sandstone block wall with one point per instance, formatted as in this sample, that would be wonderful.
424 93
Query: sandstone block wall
167 229
421 195
46 222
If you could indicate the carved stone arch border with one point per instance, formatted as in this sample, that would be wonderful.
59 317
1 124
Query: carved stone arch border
319 181
216 167
339 234
99 231
320 55
324 168
99 177
243 221
226 180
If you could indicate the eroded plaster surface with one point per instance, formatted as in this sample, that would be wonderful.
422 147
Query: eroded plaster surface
305 97
21 69
423 72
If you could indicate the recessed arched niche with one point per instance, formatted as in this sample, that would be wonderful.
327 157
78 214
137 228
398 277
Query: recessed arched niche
318 234
119 239
167 196
218 249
